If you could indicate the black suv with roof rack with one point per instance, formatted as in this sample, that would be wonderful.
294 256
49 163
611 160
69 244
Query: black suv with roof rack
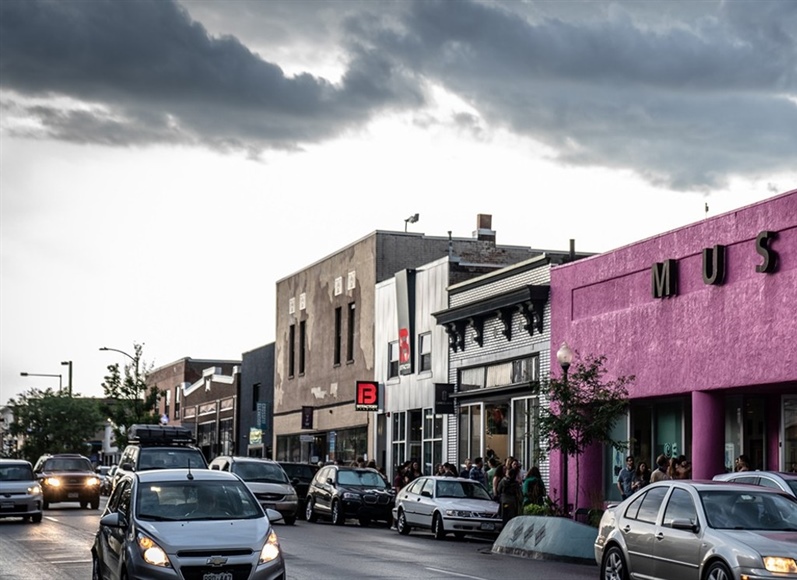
159 447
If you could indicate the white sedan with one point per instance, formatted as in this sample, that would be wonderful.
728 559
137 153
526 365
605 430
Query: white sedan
447 504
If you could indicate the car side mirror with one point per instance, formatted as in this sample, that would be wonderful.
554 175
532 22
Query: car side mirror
128 467
114 520
330 481
685 525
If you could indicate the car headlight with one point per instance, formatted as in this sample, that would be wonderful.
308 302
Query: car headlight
459 514
350 495
780 564
152 553
34 490
53 481
92 481
271 549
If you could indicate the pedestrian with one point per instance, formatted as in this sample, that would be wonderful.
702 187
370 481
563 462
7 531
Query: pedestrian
625 478
510 496
492 484
533 487
492 463
641 476
466 469
477 473
684 468
742 463
660 473
449 470
398 478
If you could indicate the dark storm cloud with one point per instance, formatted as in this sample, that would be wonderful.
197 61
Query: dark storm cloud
685 94
157 76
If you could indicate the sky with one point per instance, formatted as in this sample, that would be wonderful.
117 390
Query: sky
163 164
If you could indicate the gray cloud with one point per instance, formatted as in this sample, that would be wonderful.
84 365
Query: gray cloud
685 94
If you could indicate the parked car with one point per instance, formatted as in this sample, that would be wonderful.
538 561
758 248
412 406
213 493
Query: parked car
68 477
300 474
185 523
338 492
778 480
20 492
105 473
447 504
267 480
710 530
159 447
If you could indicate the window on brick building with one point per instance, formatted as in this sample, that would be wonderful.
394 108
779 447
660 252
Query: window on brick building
338 335
350 334
425 352
302 343
392 359
291 349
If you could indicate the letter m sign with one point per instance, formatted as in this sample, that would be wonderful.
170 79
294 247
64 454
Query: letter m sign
664 277
367 396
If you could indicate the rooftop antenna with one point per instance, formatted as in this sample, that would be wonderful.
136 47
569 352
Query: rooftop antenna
410 220
706 209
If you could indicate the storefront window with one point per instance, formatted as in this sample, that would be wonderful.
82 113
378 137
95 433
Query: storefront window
432 440
790 434
470 440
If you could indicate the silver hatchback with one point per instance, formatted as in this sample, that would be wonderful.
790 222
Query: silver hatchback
20 492
699 530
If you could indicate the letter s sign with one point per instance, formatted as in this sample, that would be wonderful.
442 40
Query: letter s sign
367 396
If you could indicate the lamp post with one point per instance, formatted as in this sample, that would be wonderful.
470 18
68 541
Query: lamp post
69 384
410 220
132 358
60 378
565 356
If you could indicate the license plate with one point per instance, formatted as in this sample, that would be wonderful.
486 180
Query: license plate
73 495
488 527
217 576
7 505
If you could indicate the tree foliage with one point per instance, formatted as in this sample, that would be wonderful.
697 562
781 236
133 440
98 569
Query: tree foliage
130 400
54 422
584 408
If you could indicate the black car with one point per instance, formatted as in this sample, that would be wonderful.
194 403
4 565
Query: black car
338 493
159 447
300 474
68 477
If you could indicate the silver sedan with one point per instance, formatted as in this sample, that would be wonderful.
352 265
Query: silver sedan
699 530
447 504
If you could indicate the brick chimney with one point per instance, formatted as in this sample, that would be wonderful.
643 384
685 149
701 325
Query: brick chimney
484 231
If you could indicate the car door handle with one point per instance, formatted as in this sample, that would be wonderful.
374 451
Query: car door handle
660 536
627 529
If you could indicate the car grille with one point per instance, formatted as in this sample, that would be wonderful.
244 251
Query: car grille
270 496
238 572
377 499
209 553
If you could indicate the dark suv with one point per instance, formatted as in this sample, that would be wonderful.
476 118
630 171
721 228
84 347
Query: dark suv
68 477
159 447
339 493
300 474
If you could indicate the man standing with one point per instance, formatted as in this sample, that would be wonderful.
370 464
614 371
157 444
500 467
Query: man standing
476 472
626 477
466 470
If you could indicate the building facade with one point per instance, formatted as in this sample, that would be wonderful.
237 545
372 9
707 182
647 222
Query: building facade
256 403
704 318
325 339
210 409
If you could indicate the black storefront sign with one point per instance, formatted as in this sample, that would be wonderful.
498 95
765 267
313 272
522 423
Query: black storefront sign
443 401
307 417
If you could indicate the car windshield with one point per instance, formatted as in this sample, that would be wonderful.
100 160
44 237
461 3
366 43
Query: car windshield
196 500
361 478
463 489
256 471
15 473
64 464
749 510
170 458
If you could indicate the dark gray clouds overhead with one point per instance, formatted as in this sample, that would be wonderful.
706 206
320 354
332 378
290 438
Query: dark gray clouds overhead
686 94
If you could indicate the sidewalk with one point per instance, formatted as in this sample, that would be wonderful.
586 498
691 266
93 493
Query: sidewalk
547 538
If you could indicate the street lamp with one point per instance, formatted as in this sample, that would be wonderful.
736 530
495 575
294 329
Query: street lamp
60 378
565 357
69 362
132 358
410 220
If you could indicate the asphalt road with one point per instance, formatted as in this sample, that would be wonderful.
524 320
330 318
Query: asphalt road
58 549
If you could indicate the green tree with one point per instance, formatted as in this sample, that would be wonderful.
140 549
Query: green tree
130 399
583 409
54 422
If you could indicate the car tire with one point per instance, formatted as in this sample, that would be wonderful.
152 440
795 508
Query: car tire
613 565
438 529
402 527
95 503
36 518
337 513
84 505
718 571
309 511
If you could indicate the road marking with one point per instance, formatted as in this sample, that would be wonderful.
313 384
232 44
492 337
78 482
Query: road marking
450 573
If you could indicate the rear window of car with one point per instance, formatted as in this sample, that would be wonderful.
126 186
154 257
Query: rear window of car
170 458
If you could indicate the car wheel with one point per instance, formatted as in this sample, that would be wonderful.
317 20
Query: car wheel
309 512
95 567
402 527
337 514
437 527
613 565
290 520
36 518
95 503
718 571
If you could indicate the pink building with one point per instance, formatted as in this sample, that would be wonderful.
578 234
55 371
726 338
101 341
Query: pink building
705 317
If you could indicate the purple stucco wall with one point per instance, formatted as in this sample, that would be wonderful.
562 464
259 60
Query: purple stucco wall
706 338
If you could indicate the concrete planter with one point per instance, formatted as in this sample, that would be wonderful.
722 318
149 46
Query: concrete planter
549 538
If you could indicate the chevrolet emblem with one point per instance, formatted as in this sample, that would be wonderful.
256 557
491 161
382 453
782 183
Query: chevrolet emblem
217 561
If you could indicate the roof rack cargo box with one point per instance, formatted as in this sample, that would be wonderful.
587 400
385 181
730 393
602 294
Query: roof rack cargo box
160 434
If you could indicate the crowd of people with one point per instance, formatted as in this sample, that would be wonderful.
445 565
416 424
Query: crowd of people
633 477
